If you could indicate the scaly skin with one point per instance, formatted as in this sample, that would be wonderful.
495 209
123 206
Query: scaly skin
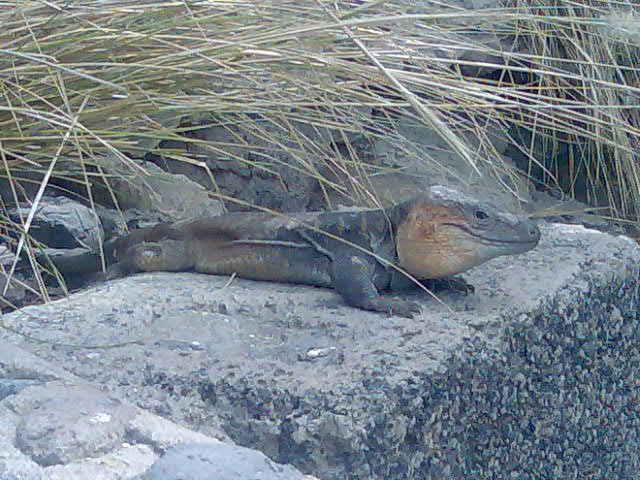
432 237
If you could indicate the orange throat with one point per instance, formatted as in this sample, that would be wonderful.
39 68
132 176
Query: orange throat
427 247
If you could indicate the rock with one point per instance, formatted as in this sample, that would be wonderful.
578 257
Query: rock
61 223
53 426
70 233
62 424
533 375
406 161
150 189
426 160
11 386
217 462
6 257
260 175
16 292
568 210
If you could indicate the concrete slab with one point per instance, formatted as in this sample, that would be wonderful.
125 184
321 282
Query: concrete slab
533 376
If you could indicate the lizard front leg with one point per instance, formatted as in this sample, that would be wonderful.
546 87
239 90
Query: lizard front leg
351 277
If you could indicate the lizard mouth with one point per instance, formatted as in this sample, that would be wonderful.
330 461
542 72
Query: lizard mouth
531 231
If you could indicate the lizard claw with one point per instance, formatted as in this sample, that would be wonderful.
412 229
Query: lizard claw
394 306
456 284
459 284
405 309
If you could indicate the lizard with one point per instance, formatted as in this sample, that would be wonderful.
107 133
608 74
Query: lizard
433 237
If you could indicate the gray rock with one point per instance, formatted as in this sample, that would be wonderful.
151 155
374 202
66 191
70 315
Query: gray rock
426 160
62 223
17 363
217 462
478 4
16 292
533 376
149 188
145 435
66 423
11 386
260 175
6 257
70 232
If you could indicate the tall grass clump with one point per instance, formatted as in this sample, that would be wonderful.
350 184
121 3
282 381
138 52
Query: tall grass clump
83 81
585 92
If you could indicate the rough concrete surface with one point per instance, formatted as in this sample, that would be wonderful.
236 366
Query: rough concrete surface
533 376
63 424
202 461
53 426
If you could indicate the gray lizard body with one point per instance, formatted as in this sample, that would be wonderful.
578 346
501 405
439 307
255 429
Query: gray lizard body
431 237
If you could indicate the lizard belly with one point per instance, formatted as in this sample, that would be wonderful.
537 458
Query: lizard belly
272 263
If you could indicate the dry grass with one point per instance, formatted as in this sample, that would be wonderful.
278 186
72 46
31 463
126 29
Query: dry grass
82 79
587 93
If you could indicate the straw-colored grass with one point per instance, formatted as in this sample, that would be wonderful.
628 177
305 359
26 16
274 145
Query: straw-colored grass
82 79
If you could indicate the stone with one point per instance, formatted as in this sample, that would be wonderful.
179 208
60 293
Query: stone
221 461
63 223
67 423
541 359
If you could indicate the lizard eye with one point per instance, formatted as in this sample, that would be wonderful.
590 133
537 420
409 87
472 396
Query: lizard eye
481 214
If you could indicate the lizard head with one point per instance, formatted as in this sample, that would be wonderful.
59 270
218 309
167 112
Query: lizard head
445 233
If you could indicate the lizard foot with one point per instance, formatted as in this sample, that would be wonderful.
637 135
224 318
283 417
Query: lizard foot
456 284
117 270
393 306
